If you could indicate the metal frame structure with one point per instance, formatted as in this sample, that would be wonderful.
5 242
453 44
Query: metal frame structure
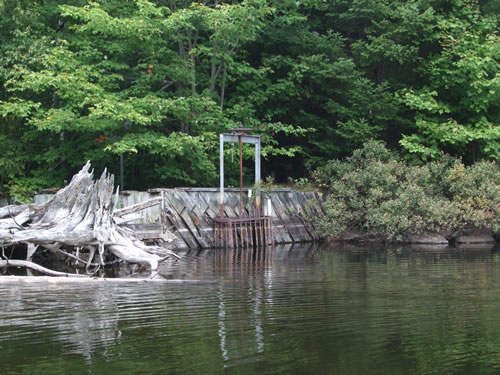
236 138
242 231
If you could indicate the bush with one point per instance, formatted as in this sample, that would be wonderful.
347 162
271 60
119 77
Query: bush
476 192
374 192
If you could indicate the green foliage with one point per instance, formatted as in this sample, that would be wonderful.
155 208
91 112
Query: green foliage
155 81
302 184
476 191
138 78
456 103
375 192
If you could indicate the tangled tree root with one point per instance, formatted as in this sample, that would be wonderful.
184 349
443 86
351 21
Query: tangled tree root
77 222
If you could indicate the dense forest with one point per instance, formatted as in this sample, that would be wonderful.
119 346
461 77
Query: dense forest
156 82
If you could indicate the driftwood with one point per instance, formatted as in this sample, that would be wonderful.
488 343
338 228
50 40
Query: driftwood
137 207
78 222
12 210
35 267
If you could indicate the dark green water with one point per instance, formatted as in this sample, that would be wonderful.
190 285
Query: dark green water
300 310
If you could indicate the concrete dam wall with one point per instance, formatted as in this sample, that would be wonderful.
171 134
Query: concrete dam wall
188 213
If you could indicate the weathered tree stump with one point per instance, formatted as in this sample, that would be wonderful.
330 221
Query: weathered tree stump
78 220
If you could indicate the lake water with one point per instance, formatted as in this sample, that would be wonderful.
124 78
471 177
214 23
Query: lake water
296 310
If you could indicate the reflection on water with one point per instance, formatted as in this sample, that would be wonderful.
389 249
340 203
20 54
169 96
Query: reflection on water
84 323
294 310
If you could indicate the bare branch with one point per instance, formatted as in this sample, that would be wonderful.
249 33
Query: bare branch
36 267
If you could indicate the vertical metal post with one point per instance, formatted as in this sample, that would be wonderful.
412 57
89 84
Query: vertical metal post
162 213
257 178
231 243
215 234
221 172
261 233
251 233
241 175
272 231
122 184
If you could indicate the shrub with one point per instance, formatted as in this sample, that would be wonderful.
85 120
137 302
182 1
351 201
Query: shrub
476 192
376 193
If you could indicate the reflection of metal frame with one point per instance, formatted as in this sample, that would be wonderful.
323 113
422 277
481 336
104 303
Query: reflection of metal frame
233 138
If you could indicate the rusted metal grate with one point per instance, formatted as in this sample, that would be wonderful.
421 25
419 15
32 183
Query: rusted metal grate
243 232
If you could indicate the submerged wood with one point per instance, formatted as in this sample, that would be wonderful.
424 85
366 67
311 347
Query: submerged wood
79 219
99 280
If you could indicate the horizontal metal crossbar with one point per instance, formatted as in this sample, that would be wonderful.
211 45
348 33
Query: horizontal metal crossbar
253 139
240 220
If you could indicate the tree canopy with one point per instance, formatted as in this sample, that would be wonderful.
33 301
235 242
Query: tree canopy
156 81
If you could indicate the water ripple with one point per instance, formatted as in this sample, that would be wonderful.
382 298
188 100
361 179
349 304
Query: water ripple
295 311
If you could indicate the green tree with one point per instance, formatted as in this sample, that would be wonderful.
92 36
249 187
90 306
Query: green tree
456 105
137 78
333 67
156 81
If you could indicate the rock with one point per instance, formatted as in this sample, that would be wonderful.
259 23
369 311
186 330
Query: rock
427 238
476 247
352 236
477 238
472 236
428 248
496 236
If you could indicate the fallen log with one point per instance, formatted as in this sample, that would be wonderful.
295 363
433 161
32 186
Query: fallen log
79 220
